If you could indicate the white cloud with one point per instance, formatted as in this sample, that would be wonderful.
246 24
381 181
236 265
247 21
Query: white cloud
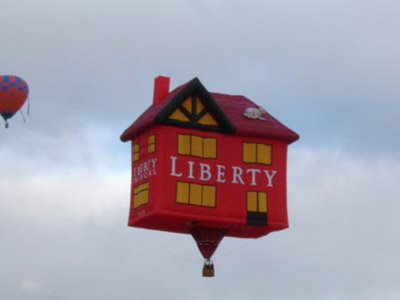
30 286
69 229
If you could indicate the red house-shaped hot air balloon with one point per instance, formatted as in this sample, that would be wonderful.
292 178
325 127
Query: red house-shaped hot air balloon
208 164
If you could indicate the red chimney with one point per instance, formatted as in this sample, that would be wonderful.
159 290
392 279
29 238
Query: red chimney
161 89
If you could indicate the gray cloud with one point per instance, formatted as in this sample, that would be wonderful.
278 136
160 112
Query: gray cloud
327 69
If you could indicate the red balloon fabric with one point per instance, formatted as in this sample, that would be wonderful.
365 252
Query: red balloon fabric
13 94
208 164
207 239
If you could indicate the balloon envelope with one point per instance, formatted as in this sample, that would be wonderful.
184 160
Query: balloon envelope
13 93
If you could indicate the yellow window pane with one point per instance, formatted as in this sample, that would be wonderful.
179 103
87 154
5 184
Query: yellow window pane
179 115
210 148
264 154
182 192
145 196
200 105
208 119
209 193
195 194
141 198
249 152
262 202
144 186
152 139
188 104
184 144
252 201
138 200
132 202
135 152
152 148
197 146
135 201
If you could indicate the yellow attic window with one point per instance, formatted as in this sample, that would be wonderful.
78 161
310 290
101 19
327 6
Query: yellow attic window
187 104
193 110
179 116
208 119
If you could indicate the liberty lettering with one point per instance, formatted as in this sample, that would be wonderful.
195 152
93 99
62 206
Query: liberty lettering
221 173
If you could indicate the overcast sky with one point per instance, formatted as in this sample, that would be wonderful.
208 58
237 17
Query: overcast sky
329 70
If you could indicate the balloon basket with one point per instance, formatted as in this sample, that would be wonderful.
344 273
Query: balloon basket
208 268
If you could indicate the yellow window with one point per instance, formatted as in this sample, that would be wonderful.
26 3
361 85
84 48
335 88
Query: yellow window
196 194
152 144
257 202
141 195
135 152
182 192
192 110
197 146
257 153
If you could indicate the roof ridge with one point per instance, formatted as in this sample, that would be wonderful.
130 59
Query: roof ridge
232 108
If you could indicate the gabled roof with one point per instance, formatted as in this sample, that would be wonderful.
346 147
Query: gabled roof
227 110
192 103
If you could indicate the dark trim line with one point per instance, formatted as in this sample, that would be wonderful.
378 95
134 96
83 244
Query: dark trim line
257 218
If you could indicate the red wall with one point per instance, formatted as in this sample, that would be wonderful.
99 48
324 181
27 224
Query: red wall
163 213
